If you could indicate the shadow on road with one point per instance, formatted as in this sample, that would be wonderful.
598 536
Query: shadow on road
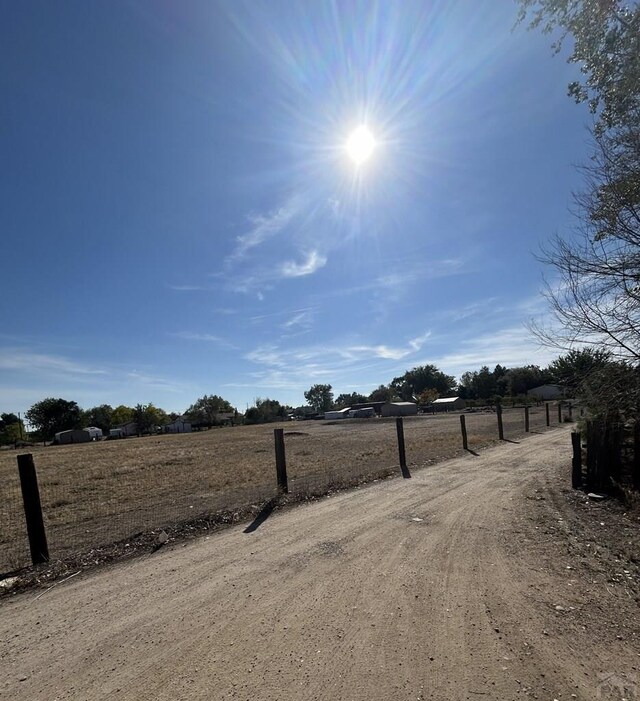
262 516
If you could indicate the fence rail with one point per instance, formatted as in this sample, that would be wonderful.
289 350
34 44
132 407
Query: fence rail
97 494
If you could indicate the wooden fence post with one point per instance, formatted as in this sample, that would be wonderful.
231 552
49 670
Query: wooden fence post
576 463
546 410
570 407
559 412
636 455
281 462
401 451
500 427
463 428
526 419
33 509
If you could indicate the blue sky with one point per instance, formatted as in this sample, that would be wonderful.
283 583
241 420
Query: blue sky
180 216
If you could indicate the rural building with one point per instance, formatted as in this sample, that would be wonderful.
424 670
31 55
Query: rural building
179 425
399 409
376 406
95 433
337 414
366 412
447 404
75 435
128 429
547 392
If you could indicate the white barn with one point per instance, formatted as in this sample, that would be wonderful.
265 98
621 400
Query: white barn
179 425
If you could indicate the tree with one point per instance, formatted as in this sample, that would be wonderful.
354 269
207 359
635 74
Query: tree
147 417
605 42
596 300
383 393
265 411
320 397
522 379
427 396
50 416
99 416
415 381
121 415
574 368
11 429
346 400
206 410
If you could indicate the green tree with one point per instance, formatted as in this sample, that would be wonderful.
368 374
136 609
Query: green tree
573 368
320 397
265 411
383 393
11 429
50 416
121 415
99 416
346 400
206 410
148 417
605 42
415 381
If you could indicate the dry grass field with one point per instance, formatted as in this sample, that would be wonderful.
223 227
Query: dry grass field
98 493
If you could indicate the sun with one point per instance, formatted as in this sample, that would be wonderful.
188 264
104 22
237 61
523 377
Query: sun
360 145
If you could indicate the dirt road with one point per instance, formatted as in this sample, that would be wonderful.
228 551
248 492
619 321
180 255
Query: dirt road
468 581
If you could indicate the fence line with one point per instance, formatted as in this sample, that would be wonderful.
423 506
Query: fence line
96 494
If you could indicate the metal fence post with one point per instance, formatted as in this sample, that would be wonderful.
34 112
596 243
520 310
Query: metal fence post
500 426
526 419
546 411
559 412
33 509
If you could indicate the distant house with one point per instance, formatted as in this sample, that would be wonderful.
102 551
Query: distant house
123 430
337 414
447 404
545 392
95 433
75 435
367 412
179 425
399 409
376 406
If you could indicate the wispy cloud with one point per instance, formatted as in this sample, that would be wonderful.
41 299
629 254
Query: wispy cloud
188 288
313 261
264 227
19 359
203 337
299 321
389 352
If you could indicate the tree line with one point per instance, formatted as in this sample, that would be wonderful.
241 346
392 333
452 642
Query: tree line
578 371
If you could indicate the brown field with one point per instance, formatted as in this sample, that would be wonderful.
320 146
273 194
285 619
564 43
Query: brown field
98 493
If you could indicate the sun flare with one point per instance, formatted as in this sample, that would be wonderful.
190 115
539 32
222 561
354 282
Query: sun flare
360 145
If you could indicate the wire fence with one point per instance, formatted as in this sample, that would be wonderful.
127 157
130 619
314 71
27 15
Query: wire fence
97 494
